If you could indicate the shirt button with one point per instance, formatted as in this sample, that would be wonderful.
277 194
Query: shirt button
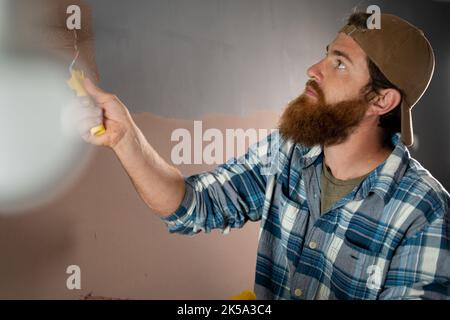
298 292
313 245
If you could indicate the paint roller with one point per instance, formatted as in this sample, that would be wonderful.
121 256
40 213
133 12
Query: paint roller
76 84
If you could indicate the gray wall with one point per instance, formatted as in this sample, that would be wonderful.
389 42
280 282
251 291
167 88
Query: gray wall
185 59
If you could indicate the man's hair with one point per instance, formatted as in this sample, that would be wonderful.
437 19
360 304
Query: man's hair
391 121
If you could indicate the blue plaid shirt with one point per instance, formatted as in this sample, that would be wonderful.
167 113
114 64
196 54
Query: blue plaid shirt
389 238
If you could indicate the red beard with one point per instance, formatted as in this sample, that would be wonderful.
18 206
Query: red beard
312 123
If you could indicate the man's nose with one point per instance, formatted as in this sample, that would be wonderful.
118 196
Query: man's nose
315 72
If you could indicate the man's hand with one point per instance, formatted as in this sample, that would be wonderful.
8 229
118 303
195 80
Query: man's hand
108 110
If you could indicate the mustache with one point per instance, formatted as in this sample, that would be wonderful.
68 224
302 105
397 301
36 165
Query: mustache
315 86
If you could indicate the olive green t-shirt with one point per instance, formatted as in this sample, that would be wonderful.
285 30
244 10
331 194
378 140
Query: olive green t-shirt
334 189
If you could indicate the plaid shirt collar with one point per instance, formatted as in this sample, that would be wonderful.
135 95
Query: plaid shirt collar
382 181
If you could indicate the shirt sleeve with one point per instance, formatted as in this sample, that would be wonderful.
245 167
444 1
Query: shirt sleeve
230 195
420 269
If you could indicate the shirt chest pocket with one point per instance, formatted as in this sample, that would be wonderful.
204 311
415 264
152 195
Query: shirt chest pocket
293 216
359 270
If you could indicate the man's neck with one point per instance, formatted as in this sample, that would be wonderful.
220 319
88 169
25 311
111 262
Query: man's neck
360 154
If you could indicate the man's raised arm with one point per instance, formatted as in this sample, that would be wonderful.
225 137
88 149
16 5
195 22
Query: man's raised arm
159 184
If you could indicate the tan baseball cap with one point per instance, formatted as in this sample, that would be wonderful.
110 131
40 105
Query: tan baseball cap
405 57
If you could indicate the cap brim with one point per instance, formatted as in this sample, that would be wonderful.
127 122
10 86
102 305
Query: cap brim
407 126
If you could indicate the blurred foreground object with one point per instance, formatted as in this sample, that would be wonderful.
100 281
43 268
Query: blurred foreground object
41 156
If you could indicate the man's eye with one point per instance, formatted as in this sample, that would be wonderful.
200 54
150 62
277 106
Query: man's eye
340 65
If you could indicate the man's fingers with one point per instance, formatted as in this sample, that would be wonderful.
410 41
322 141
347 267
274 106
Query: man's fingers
95 92
78 111
85 112
85 125
98 141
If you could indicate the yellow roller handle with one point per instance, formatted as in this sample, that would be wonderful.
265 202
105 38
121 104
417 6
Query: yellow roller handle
245 295
98 130
76 84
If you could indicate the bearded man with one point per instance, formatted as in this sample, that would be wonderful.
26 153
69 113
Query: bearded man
345 212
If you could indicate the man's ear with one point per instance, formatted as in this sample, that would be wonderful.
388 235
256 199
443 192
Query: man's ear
385 101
